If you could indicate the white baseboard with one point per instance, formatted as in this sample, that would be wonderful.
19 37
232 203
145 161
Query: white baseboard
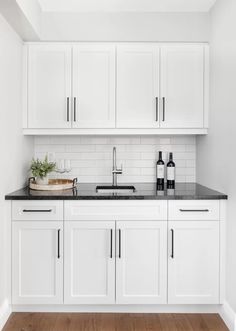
228 315
118 308
5 312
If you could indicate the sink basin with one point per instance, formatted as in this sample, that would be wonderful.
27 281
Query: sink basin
115 189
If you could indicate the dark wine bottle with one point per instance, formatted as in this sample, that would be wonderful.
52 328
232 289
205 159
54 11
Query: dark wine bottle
170 172
160 172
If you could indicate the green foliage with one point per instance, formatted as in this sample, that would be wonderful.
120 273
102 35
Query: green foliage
42 168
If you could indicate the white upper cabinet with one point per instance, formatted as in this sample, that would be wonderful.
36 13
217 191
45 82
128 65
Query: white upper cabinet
141 263
116 88
193 270
182 86
49 86
137 86
94 86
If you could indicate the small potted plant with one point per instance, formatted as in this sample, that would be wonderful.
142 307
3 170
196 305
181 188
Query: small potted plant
41 169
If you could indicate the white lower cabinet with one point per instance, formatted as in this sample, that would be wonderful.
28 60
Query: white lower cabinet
37 262
129 260
89 262
193 269
141 263
100 261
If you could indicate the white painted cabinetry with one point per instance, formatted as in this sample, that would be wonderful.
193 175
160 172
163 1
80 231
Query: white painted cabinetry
182 86
89 262
37 262
113 88
118 252
137 86
93 86
141 263
194 262
49 86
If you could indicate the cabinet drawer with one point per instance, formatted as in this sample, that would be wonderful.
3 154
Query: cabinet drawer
47 210
194 210
115 210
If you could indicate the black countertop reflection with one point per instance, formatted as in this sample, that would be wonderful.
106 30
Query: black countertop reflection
144 191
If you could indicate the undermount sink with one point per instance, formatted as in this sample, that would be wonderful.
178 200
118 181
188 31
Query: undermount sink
115 189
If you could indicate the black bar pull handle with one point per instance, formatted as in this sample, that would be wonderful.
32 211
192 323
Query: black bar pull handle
37 210
68 109
75 109
58 244
164 109
172 243
194 210
157 101
111 243
119 243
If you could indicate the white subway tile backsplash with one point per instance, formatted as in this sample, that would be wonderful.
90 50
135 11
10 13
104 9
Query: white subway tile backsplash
91 157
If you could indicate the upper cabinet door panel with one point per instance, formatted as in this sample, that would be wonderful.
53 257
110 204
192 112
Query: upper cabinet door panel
182 86
137 86
94 86
49 86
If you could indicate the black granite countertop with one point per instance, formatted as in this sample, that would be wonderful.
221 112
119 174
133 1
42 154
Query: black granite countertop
144 191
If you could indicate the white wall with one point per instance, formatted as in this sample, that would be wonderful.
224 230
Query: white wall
216 153
32 12
125 26
24 16
15 150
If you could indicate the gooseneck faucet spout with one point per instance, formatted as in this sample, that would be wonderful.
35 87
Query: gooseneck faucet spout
115 171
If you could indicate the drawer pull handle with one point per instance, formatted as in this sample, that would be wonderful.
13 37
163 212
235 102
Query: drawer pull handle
157 101
75 109
68 109
164 109
172 243
194 210
111 244
58 244
119 243
37 210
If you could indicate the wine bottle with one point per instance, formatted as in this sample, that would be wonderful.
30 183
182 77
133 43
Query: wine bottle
170 169
160 172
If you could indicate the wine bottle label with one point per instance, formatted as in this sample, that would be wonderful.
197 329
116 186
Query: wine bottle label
160 171
170 173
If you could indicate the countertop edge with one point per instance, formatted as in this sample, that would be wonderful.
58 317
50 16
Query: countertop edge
145 191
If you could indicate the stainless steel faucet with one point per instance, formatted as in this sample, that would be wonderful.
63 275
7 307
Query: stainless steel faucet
115 171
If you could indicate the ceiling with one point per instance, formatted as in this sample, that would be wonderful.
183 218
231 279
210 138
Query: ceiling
126 5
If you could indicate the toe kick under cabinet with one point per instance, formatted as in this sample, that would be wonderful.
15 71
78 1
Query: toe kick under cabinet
117 252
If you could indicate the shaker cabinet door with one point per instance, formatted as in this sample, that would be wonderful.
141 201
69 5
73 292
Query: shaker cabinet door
193 268
37 262
137 86
49 86
182 86
94 86
141 267
89 262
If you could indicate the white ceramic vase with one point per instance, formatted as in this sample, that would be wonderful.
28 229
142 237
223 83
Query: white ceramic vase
42 180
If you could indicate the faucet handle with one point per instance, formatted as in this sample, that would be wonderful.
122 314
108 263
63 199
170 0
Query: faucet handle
120 170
